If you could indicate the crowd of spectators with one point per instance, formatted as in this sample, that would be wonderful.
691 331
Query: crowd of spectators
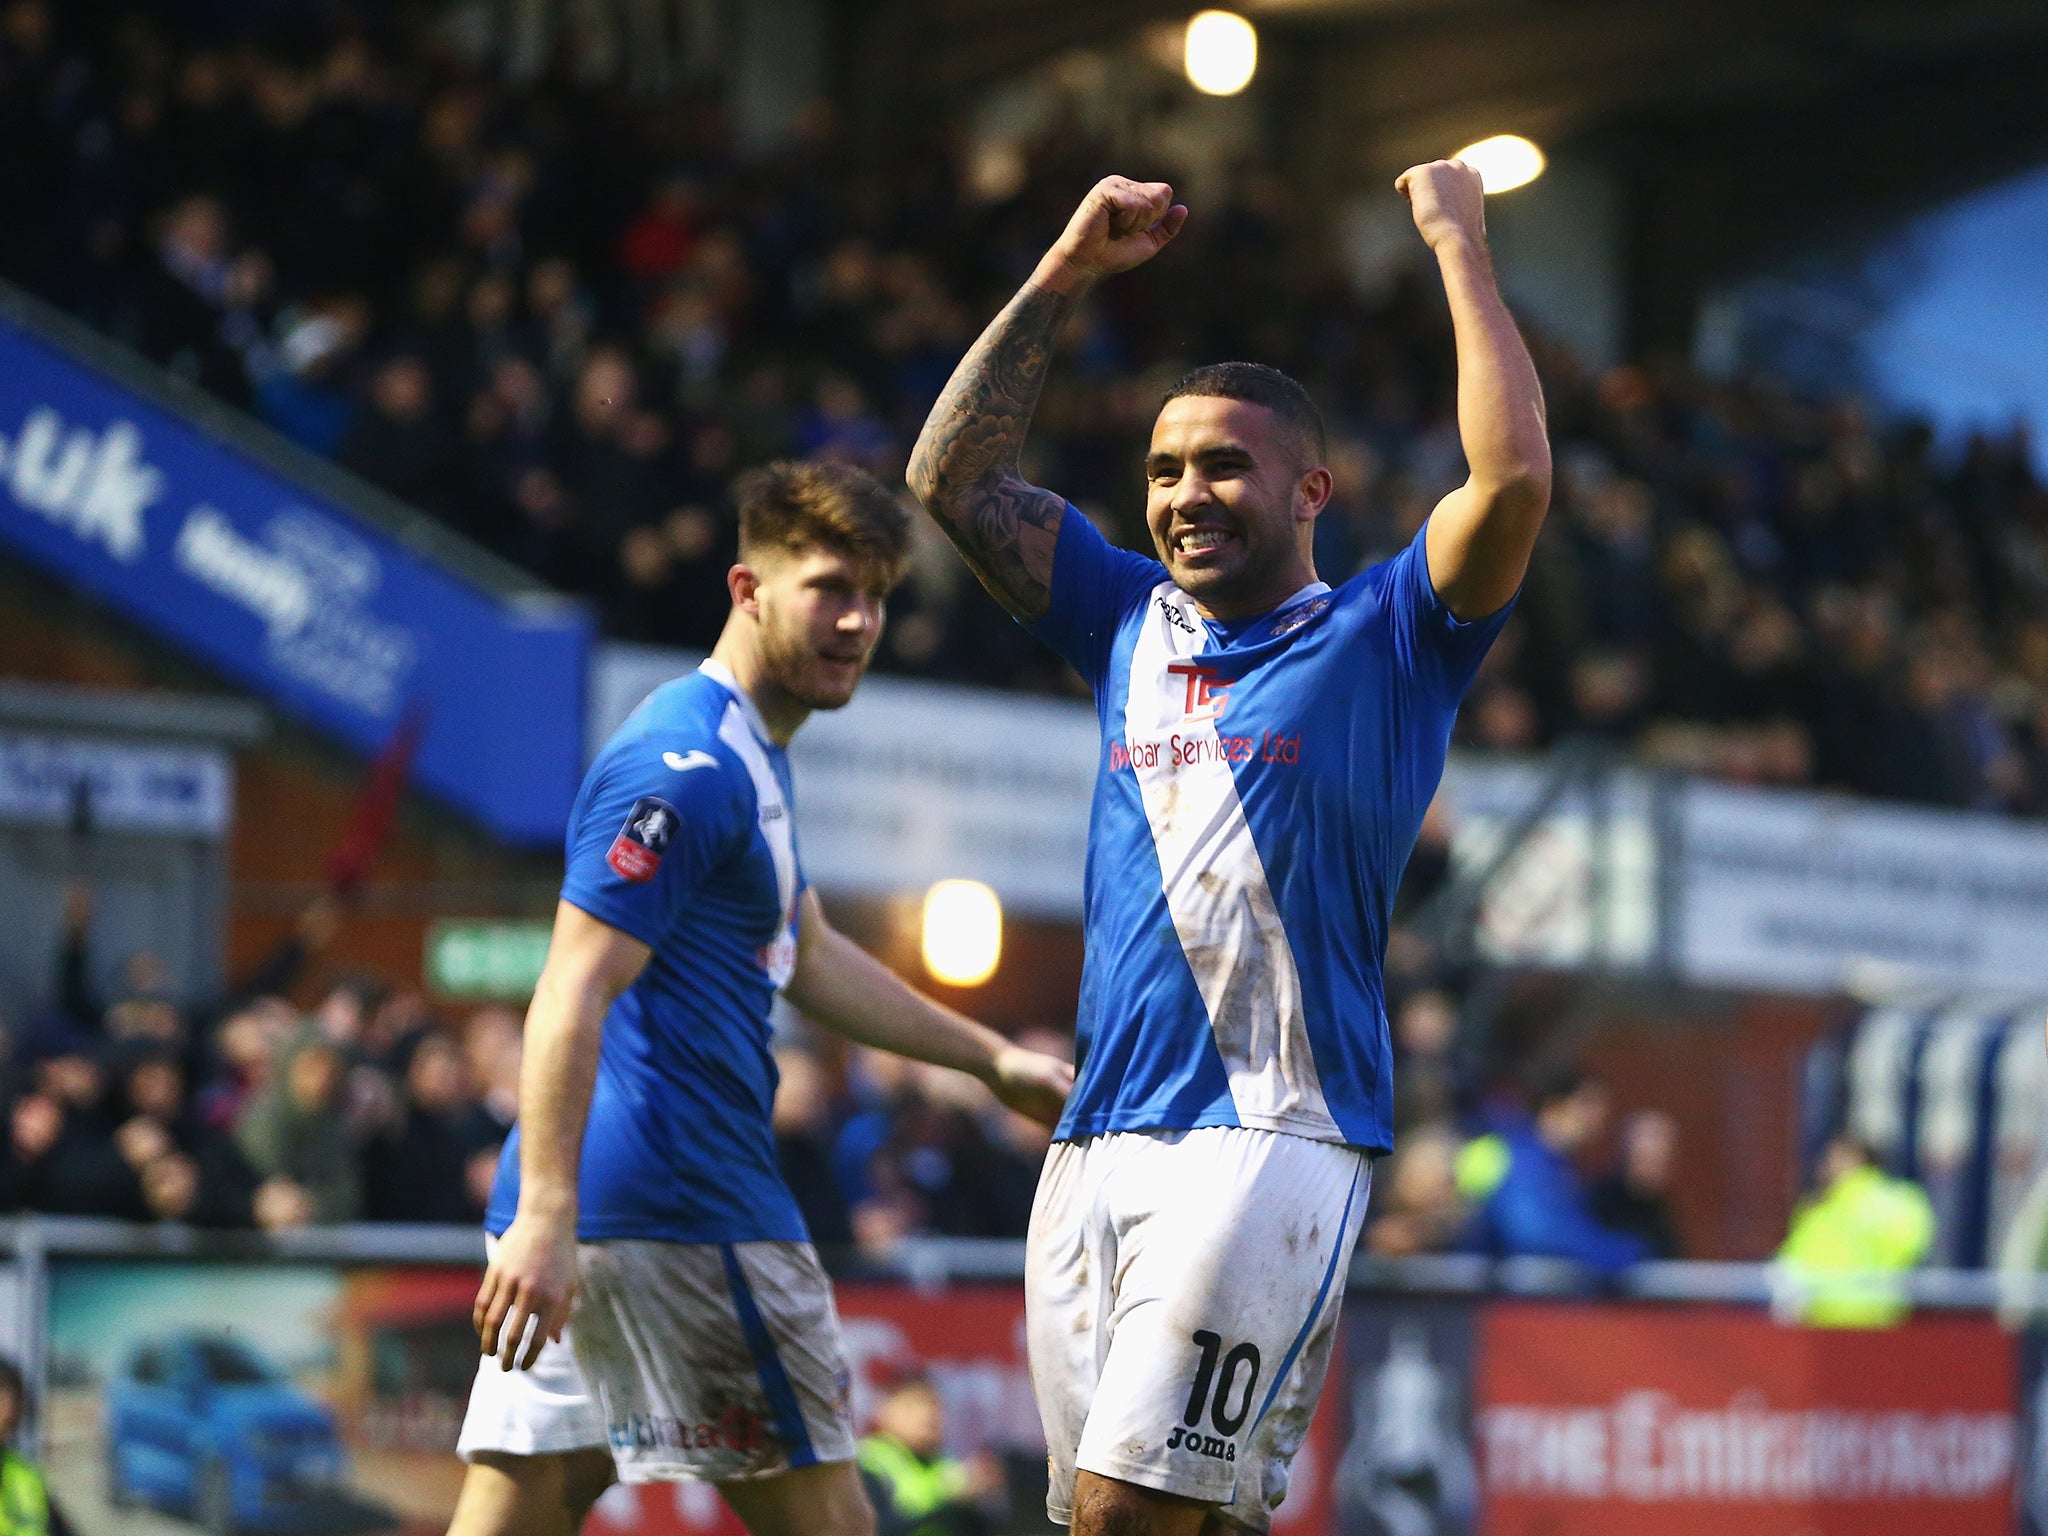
370 1104
559 315
247 1111
1482 1165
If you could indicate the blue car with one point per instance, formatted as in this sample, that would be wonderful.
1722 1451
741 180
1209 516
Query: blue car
205 1426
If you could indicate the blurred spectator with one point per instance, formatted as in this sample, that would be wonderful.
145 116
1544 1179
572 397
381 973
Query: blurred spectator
295 1137
2023 1260
417 1169
187 1171
802 1122
1425 1090
1636 1196
492 1045
60 1155
1531 1199
183 296
917 1489
25 1505
305 395
1850 1242
245 1048
1416 1205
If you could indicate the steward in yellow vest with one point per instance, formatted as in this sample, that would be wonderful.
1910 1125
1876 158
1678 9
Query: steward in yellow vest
917 1489
24 1496
1852 1241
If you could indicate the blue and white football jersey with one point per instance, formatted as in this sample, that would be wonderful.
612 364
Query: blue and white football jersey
1260 789
683 837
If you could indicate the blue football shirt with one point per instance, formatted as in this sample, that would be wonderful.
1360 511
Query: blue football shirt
1260 789
682 836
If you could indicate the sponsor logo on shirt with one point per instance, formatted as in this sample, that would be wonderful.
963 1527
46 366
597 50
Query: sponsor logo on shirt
1177 751
737 1429
778 956
1288 623
1176 617
636 852
1199 1444
1205 699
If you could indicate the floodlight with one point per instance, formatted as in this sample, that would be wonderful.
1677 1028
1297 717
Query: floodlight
1222 52
963 932
1504 162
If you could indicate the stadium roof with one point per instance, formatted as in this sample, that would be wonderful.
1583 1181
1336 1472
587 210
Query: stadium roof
1743 128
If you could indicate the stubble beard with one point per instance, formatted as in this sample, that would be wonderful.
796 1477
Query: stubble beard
793 666
1251 583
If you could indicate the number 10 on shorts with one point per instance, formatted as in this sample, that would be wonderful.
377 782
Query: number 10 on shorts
1235 1376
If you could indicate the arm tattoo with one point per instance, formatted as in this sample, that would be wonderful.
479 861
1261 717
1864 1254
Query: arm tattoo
964 467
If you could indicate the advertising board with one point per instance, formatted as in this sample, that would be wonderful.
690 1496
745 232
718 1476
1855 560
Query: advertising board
272 578
1613 1420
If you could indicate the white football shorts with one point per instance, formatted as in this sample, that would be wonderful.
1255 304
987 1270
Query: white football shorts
713 1362
706 1362
1181 1292
540 1412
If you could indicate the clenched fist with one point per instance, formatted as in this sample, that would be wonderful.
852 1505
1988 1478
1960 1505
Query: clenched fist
1447 199
1120 224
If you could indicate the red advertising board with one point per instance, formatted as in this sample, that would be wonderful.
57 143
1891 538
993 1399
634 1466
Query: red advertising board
1618 1420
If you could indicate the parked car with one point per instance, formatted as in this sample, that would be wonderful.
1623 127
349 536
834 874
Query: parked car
203 1425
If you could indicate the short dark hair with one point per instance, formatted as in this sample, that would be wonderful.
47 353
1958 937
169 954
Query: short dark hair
1554 1082
794 504
1260 385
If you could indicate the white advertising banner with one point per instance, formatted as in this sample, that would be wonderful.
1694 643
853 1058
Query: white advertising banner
1813 893
916 782
175 790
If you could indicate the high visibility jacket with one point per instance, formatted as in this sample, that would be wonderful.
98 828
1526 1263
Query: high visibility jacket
24 1497
915 1488
1849 1245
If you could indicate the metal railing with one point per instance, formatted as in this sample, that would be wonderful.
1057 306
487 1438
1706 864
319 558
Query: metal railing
33 1242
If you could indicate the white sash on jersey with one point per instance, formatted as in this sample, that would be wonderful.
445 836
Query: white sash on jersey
740 728
1223 911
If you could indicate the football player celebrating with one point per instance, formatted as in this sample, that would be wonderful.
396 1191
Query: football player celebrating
1269 747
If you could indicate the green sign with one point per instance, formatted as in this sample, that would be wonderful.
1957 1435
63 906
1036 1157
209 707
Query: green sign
486 959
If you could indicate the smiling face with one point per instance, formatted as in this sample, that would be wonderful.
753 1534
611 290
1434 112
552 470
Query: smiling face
821 613
1231 498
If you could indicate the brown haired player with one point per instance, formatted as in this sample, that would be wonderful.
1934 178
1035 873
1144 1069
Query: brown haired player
642 1182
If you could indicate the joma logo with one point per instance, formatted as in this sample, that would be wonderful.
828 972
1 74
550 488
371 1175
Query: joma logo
1194 1440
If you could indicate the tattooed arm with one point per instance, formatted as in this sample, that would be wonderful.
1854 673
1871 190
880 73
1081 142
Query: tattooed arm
964 467
1482 533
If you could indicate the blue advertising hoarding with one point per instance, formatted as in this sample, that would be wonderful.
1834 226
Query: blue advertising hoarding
226 544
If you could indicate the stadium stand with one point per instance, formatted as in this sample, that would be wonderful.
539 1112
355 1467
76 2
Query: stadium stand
558 317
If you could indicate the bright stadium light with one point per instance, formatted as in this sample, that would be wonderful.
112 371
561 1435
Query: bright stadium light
963 932
1504 162
1222 52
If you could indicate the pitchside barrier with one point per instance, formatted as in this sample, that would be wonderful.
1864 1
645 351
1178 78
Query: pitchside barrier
318 1379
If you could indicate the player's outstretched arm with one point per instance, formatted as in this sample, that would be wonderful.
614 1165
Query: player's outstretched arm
534 1273
847 990
1481 534
964 467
